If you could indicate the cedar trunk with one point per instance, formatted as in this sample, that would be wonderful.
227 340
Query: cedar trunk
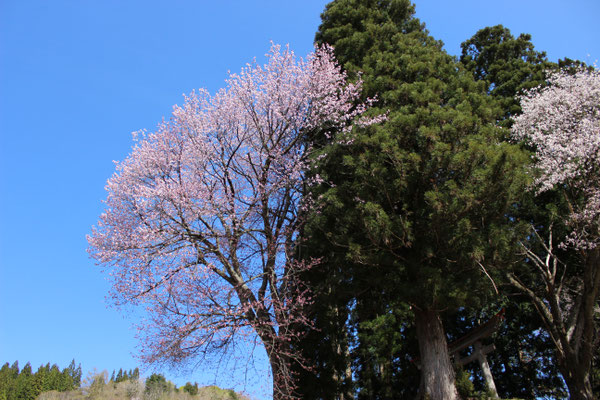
437 373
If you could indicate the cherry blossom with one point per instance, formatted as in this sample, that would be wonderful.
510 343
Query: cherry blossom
562 122
202 218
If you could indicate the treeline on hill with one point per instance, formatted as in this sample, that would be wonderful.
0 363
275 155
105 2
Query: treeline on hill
50 383
23 384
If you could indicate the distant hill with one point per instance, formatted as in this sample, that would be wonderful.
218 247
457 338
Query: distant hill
137 390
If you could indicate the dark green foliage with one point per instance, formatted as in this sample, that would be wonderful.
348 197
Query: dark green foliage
385 351
191 389
124 375
416 203
421 196
75 373
464 384
506 64
156 383
23 384
521 363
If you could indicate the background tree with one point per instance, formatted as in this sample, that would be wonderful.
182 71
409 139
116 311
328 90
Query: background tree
24 388
202 218
522 363
7 380
156 386
75 373
412 203
95 383
191 389
506 64
562 123
135 375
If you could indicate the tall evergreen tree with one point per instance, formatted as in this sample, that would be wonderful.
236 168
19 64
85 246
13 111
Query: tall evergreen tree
25 390
135 375
54 378
41 378
509 66
506 64
75 373
416 206
7 381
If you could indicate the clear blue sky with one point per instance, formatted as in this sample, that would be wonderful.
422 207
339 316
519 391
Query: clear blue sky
77 77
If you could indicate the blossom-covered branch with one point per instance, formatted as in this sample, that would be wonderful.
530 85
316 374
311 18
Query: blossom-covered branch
202 218
562 122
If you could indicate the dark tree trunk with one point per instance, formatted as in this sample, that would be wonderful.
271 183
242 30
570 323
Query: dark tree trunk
577 362
578 382
282 385
571 327
437 373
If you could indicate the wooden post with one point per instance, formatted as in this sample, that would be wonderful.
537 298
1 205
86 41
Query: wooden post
473 338
479 352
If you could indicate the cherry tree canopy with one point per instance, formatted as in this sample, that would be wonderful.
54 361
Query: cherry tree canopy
562 122
201 219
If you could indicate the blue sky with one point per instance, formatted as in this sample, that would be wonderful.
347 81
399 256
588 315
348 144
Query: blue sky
77 77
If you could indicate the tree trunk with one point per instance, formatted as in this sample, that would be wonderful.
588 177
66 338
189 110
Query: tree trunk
278 353
571 326
579 385
282 383
577 362
485 369
437 373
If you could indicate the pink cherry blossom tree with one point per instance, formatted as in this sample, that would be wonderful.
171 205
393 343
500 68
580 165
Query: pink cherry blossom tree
201 219
562 122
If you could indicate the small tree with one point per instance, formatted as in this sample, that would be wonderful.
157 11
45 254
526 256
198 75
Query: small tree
191 389
202 218
506 64
562 123
95 383
156 386
75 373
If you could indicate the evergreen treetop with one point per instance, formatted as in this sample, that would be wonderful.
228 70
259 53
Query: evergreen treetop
426 194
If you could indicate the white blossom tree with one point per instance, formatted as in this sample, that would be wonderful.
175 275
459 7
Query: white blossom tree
202 218
561 121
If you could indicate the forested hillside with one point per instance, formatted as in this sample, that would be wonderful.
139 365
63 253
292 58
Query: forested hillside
51 383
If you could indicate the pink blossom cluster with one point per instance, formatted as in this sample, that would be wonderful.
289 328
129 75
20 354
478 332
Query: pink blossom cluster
562 122
201 219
